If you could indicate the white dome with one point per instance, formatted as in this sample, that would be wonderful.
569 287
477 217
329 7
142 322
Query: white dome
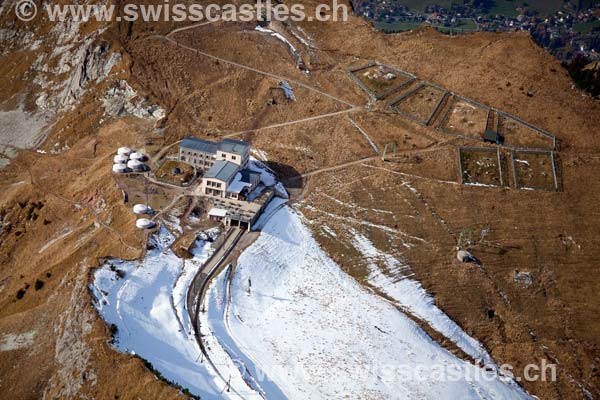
124 151
144 223
463 256
137 156
120 159
119 168
134 164
141 209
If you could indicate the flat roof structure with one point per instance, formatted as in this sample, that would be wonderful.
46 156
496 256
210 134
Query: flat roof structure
249 175
222 170
217 212
205 146
234 146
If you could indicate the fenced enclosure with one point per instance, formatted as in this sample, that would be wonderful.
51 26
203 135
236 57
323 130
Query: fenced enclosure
379 80
534 170
480 166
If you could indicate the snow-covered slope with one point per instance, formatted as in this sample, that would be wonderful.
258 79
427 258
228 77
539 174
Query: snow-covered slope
148 307
289 324
307 330
410 294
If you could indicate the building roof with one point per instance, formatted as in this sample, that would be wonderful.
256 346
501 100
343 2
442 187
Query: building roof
249 176
234 146
205 146
238 184
217 212
222 170
491 135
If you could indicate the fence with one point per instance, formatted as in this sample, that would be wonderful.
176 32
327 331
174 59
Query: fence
534 151
393 105
462 149
491 112
410 79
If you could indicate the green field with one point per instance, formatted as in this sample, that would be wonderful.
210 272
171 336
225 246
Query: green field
464 25
585 27
396 26
502 7
507 8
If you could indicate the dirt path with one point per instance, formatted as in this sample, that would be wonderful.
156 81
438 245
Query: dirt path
252 69
185 28
162 152
366 135
333 168
351 110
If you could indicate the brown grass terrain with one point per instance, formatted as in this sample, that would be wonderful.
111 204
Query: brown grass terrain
520 135
480 167
534 170
465 119
165 172
422 103
379 79
61 213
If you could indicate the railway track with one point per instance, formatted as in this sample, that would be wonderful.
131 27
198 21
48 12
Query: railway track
197 289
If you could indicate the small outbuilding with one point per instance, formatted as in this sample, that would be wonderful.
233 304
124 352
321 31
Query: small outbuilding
120 168
144 223
124 151
141 209
492 136
465 257
136 165
217 214
120 159
137 156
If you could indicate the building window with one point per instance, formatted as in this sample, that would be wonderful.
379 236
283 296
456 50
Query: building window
233 157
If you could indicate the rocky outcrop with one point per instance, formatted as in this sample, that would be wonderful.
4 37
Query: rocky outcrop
122 100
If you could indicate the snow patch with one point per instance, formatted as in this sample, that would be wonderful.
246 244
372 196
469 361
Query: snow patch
310 330
149 309
410 295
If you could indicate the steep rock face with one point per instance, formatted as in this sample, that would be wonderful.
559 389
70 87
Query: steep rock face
76 61
55 66
72 352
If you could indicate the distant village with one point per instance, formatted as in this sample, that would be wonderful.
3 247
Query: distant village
566 34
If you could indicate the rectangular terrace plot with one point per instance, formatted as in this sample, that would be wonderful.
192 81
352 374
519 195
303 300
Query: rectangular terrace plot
517 133
534 170
379 80
419 104
480 166
465 117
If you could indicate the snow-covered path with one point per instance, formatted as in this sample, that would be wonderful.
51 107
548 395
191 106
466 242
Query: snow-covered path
307 330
